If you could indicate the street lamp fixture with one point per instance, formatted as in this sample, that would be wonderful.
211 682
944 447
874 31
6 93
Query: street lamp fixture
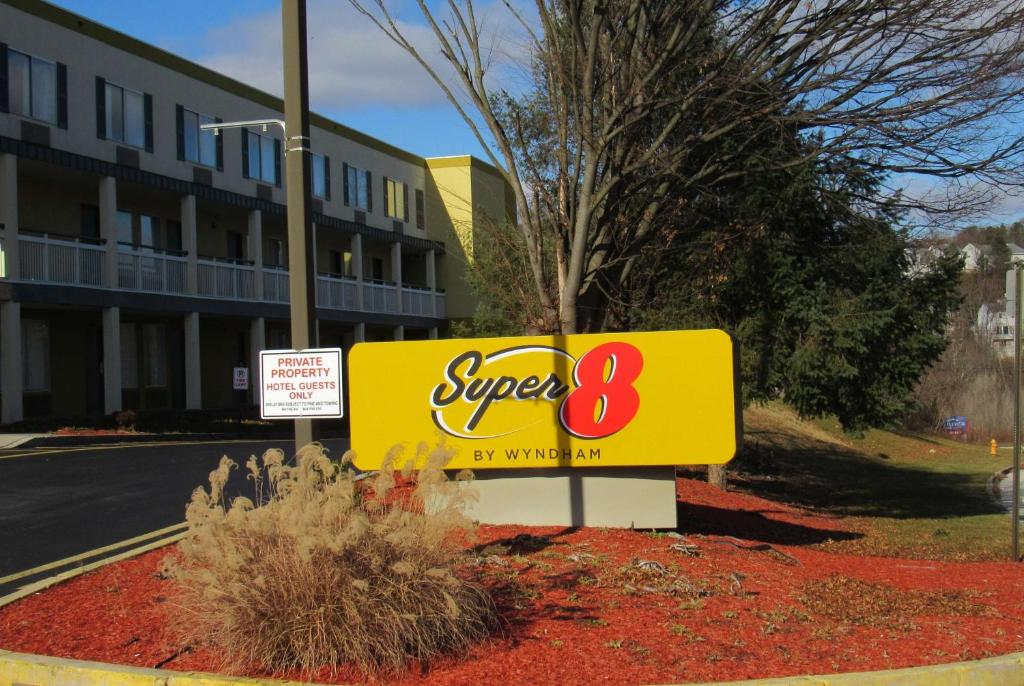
263 125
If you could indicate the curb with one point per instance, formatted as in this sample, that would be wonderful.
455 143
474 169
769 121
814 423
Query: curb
21 669
109 439
993 486
82 568
1006 670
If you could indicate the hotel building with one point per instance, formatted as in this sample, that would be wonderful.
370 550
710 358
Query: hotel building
142 260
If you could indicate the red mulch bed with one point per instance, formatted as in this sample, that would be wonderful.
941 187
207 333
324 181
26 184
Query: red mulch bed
580 608
85 431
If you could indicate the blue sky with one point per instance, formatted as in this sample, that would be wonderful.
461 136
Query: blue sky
357 76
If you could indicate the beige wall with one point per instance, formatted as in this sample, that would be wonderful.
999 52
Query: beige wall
43 209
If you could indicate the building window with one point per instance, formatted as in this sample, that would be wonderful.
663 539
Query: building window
377 268
155 344
321 176
275 253
125 115
195 144
129 356
334 258
357 188
33 86
420 210
396 196
172 236
125 235
35 346
149 232
235 245
278 339
262 157
143 231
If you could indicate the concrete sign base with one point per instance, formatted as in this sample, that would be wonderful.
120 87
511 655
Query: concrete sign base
622 497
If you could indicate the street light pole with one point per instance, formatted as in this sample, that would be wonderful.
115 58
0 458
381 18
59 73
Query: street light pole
1018 290
301 279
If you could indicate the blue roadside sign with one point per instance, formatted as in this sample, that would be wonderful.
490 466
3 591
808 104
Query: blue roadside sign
955 426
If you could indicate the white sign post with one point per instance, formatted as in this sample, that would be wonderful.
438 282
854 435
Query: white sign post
240 379
300 383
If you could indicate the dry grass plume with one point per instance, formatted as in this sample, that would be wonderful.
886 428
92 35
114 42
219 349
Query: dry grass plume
318 570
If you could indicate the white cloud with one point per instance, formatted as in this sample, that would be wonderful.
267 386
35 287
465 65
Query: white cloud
352 64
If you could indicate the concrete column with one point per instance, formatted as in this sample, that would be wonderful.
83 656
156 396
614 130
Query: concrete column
432 334
190 241
193 368
396 273
111 359
357 268
254 250
359 333
108 231
400 333
432 281
9 266
12 390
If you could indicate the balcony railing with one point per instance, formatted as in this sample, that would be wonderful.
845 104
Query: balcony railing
48 259
380 296
225 278
417 301
275 284
143 268
337 292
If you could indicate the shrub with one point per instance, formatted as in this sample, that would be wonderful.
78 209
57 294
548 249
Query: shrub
125 419
319 570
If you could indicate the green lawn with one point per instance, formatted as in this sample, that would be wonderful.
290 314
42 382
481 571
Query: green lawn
910 495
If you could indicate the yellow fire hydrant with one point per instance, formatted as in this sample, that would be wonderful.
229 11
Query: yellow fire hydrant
993 447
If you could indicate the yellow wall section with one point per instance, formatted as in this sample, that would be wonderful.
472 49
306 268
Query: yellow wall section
463 197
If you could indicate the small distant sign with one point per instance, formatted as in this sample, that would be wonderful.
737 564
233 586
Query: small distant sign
955 426
300 383
240 379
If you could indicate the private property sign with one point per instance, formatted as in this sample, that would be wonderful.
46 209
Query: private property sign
632 399
300 383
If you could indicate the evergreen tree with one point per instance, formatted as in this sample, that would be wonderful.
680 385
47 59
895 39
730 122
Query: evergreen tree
815 289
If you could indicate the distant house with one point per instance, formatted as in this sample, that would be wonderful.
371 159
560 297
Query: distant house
921 257
976 256
995 326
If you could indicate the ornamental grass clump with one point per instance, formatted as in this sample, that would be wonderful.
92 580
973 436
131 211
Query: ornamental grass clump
320 570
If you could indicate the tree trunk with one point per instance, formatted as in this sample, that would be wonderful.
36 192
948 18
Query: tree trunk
716 475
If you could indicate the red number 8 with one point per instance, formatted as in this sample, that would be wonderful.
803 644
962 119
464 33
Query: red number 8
615 396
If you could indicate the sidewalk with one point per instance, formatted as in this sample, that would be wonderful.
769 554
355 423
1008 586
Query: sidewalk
8 441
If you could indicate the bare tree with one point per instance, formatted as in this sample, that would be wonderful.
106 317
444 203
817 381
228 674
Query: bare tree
636 107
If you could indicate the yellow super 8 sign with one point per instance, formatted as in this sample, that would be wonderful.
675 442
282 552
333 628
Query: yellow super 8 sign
662 398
